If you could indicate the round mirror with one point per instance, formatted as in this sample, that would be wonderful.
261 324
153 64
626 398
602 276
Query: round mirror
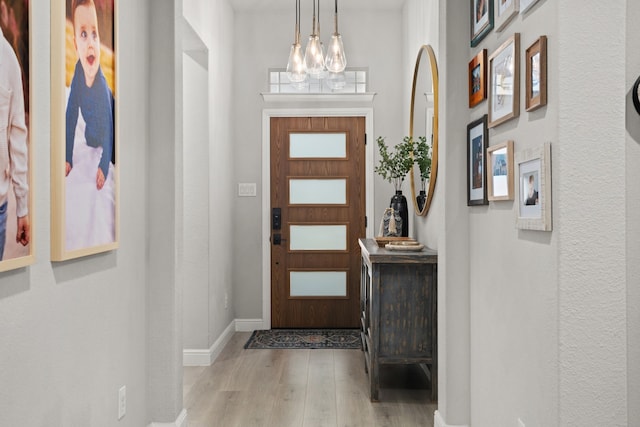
423 129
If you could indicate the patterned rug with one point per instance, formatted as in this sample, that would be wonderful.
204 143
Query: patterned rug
305 338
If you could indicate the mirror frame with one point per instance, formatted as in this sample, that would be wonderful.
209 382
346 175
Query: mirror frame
434 148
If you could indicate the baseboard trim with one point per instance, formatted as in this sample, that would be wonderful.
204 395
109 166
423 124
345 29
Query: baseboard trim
438 421
205 357
249 325
181 421
199 357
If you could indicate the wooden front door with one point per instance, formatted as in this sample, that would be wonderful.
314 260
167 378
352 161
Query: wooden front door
318 214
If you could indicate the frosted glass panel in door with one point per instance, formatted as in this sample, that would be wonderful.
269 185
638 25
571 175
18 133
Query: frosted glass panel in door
318 283
318 238
318 191
318 145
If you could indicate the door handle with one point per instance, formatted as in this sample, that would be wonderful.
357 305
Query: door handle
276 218
277 239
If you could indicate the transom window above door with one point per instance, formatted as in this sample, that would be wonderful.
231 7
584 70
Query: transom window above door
352 80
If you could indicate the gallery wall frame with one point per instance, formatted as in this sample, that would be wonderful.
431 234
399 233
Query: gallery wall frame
16 156
478 78
536 74
635 95
477 143
84 118
481 18
504 82
526 5
534 188
500 171
506 10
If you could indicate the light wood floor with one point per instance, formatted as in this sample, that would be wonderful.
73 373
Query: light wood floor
308 388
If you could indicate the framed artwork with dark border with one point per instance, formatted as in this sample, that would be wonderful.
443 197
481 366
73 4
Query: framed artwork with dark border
481 17
534 188
500 171
477 143
635 95
16 149
84 142
536 74
506 10
478 79
504 82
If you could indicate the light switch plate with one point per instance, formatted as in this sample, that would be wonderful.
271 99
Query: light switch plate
247 189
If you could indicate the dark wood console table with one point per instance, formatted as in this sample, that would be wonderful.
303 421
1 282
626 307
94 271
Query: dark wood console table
398 302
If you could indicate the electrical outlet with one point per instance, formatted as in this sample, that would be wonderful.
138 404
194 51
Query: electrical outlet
122 402
226 300
520 423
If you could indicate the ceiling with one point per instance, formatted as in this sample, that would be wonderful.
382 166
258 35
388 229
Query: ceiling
253 5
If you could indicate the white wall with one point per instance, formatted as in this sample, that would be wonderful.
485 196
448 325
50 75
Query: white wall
453 237
209 187
223 152
421 25
549 340
72 333
196 204
513 273
592 273
165 225
633 225
262 40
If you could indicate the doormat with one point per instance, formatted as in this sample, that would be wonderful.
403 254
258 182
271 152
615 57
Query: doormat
305 338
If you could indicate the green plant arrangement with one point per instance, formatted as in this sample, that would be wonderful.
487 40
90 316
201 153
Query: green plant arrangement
394 165
422 156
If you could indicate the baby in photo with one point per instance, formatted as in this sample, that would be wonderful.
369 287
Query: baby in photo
89 160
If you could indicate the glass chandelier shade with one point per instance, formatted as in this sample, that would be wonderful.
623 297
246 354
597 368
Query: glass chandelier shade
336 60
296 68
314 56
314 53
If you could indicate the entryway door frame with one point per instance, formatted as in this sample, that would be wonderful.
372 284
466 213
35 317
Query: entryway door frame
367 113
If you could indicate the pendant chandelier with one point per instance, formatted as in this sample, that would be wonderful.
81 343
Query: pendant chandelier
314 63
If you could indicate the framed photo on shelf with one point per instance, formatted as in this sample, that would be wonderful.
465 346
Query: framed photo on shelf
500 171
16 150
478 79
536 74
84 142
477 142
534 188
506 10
504 82
525 5
481 20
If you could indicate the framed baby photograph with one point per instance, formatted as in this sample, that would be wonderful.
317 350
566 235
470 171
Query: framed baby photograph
504 82
84 143
536 75
506 10
478 79
481 15
477 142
534 188
500 171
16 152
